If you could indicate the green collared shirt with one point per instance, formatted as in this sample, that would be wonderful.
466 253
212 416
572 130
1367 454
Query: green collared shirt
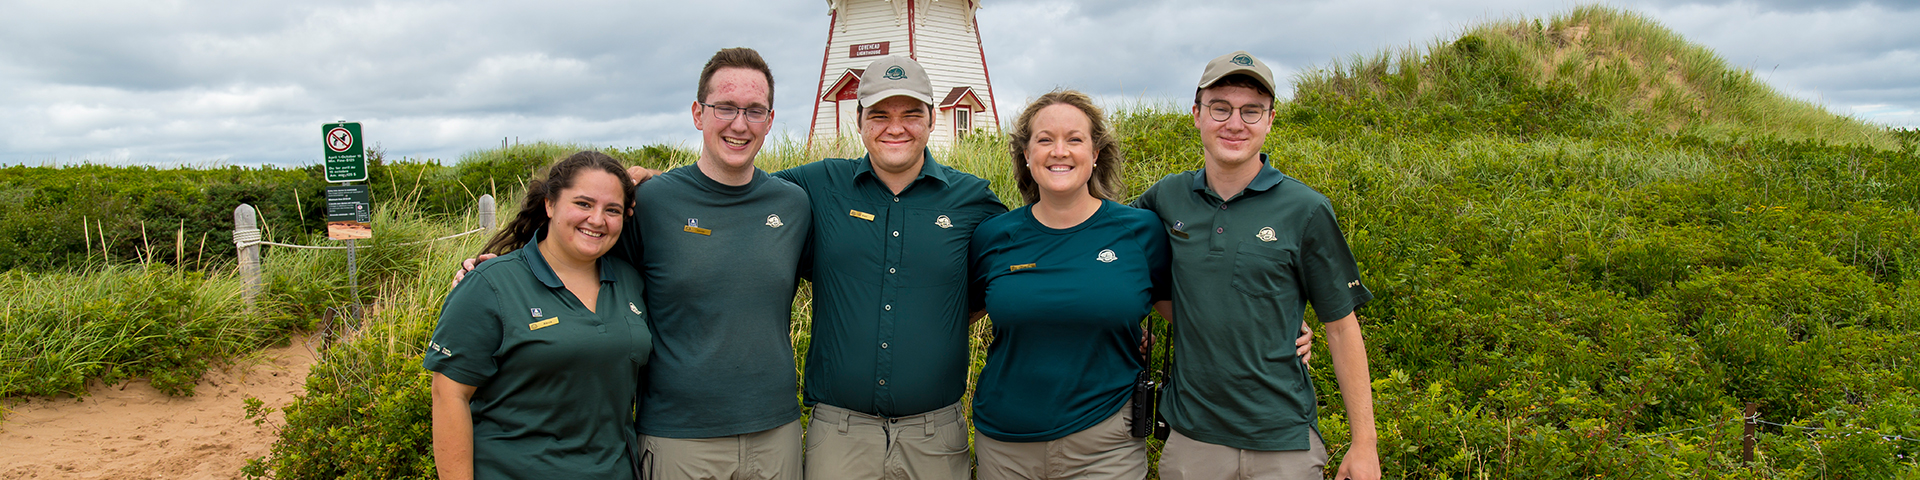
1244 271
889 277
555 382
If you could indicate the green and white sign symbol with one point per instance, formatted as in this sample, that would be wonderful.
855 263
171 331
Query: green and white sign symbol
345 153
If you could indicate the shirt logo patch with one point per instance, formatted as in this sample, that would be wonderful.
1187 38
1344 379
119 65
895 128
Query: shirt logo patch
634 308
535 312
773 220
543 323
436 347
1106 256
1179 229
1352 284
943 222
1266 234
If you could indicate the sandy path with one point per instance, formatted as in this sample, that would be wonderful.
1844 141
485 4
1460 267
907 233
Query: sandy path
133 431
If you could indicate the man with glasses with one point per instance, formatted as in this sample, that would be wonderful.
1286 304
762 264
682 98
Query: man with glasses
1251 248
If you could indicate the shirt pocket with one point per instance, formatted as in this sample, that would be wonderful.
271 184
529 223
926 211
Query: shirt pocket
1262 271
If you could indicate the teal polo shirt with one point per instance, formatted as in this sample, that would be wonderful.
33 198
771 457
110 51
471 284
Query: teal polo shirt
889 277
555 381
719 264
1066 307
1244 271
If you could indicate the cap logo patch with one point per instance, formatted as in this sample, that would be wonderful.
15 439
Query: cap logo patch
943 222
1106 256
1243 60
773 220
1266 234
896 73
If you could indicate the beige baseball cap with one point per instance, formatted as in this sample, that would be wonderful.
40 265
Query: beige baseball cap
892 76
1229 64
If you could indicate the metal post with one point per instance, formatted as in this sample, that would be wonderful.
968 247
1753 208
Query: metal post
353 282
246 238
1746 440
486 211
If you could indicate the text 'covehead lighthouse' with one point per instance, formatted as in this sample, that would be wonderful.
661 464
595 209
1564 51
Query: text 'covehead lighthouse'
940 34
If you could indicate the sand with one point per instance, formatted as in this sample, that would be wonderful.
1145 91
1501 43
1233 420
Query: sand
133 431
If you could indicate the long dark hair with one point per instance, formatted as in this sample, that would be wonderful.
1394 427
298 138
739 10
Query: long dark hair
547 184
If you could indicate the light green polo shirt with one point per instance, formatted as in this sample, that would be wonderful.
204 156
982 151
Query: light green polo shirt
555 381
1244 271
719 263
889 279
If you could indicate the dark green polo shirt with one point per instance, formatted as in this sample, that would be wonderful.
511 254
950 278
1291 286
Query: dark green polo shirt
555 380
1244 271
719 265
1066 306
889 279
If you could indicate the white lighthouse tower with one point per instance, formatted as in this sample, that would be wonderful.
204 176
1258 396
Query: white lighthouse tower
940 34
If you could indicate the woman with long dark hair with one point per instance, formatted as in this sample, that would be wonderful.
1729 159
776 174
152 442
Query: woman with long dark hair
538 353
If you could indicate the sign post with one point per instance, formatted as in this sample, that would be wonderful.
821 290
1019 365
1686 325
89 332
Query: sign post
348 206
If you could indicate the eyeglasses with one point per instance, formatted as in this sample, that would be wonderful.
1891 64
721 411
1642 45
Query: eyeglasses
1222 110
726 112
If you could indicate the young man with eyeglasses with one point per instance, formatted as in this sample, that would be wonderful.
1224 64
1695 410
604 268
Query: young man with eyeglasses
1251 248
719 244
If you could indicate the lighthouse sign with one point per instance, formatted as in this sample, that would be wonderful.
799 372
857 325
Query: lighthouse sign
874 49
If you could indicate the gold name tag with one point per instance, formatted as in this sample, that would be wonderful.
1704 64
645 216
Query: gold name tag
1179 233
1017 268
694 229
860 215
543 323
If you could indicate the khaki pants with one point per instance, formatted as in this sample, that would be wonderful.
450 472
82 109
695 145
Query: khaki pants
765 455
1188 459
1105 450
846 444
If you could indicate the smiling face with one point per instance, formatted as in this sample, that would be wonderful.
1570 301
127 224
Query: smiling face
1060 154
1232 142
895 133
586 217
731 144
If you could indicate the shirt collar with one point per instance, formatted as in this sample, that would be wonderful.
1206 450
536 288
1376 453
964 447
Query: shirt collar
928 168
544 272
1266 179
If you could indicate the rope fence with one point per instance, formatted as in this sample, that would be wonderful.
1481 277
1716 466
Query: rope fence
248 238
247 242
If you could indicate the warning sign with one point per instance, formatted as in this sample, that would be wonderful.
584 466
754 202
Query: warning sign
345 152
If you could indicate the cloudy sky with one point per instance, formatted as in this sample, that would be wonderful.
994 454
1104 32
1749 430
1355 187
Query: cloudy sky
248 82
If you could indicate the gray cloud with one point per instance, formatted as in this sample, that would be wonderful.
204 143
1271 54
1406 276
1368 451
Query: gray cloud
249 82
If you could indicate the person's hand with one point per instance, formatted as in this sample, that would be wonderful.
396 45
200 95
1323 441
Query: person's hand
1303 346
467 266
641 174
1361 463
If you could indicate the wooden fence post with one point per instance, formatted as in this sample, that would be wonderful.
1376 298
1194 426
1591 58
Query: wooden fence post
246 234
486 211
1746 440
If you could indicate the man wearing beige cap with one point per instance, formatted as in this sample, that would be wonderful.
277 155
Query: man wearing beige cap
889 357
1251 248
